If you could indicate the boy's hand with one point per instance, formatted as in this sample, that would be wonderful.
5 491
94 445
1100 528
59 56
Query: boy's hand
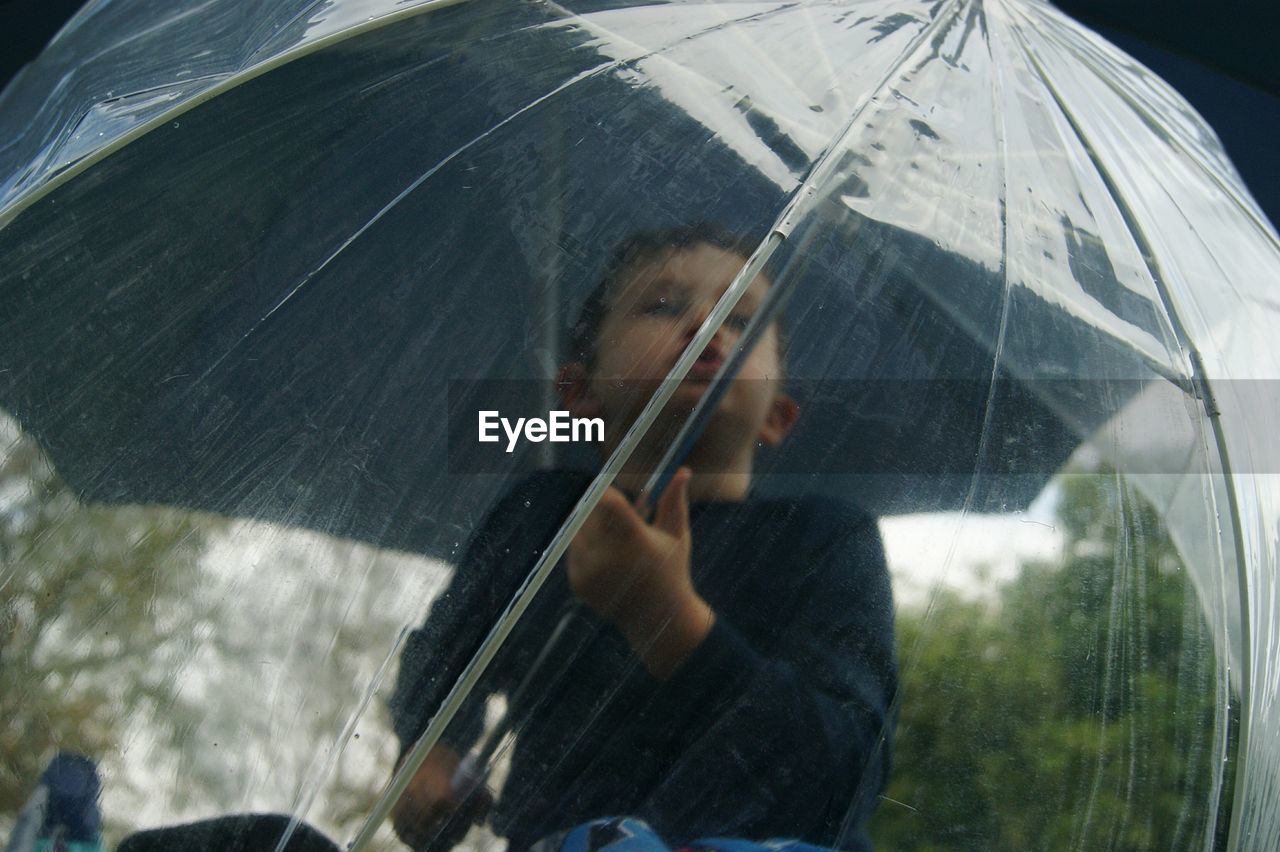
637 575
428 814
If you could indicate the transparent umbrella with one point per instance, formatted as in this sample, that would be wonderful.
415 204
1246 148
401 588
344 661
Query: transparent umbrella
273 263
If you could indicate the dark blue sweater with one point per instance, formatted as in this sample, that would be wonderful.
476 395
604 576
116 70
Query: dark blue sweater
778 725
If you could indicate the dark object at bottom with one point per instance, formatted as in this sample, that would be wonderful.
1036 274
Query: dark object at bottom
242 833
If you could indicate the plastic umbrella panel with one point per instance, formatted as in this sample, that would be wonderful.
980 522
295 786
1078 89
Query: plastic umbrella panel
396 245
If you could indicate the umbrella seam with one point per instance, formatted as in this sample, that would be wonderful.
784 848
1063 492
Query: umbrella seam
1204 392
429 173
1245 201
966 506
12 207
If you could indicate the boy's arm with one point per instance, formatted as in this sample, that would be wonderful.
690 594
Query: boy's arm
430 812
788 742
432 659
431 662
460 618
776 743
436 653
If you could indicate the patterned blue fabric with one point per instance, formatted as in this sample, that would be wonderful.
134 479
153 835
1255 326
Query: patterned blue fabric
627 834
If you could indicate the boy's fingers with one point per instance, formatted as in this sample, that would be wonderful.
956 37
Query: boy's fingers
613 514
672 514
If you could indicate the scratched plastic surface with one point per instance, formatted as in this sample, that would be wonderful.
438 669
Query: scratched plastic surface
262 265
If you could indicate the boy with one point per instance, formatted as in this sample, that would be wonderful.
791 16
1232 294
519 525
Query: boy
736 671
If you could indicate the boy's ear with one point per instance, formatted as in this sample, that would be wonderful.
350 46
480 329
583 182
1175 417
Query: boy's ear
573 383
783 413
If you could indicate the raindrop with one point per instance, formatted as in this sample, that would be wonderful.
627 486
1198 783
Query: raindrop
175 125
528 503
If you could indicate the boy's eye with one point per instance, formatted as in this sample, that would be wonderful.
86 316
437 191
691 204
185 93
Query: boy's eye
664 308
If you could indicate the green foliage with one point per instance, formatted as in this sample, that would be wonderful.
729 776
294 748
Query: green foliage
1077 710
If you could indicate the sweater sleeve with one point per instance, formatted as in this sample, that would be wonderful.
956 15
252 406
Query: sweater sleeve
436 654
433 659
795 741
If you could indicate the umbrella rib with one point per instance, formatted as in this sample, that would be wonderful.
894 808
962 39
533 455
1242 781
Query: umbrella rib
429 173
802 200
917 650
14 201
1203 391
1214 175
394 202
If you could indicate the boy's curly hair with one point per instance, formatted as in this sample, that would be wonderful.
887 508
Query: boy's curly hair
630 253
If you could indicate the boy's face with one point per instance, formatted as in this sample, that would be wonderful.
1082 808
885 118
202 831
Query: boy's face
657 308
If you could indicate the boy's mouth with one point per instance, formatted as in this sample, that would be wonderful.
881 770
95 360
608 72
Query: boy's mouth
707 365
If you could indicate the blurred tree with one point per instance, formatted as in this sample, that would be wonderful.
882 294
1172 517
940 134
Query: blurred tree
312 625
208 664
97 605
1077 710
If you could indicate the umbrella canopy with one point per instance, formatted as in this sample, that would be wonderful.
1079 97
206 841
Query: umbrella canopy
272 265
530 162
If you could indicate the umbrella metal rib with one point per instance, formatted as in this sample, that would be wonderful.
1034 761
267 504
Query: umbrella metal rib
560 543
11 207
801 201
1200 387
474 767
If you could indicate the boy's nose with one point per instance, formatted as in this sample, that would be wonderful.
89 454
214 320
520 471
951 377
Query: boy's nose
696 317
